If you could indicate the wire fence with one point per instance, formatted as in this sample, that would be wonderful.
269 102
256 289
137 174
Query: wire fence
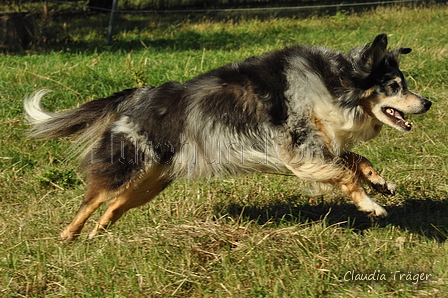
113 10
248 9
190 7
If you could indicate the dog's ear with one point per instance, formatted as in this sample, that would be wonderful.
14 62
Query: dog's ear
393 58
377 51
369 57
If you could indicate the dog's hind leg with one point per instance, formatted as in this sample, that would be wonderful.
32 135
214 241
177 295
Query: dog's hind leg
369 174
93 199
135 195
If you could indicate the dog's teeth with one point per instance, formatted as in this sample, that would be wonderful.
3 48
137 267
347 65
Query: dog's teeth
390 111
408 124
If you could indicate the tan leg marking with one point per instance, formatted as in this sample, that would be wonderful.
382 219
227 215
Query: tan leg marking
134 196
369 174
361 199
347 178
94 198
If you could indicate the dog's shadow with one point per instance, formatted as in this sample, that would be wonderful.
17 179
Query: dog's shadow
422 216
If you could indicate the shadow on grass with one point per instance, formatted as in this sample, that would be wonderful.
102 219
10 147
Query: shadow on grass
422 216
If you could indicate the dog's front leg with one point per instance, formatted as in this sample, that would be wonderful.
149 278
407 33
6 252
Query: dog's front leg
369 174
334 172
362 200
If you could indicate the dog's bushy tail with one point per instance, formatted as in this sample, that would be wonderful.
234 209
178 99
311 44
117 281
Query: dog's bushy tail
91 119
89 116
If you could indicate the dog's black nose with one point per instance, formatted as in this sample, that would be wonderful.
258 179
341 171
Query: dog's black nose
427 104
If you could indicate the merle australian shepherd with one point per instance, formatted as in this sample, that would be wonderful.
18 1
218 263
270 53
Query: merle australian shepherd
300 109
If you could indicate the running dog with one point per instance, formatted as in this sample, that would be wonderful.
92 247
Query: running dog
298 109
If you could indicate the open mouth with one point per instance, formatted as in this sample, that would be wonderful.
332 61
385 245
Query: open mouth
397 117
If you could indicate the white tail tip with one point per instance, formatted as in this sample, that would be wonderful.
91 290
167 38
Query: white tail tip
34 112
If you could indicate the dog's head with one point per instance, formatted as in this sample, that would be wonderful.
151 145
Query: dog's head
385 96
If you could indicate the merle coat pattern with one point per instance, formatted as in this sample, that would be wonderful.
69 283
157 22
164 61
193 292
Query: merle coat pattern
298 109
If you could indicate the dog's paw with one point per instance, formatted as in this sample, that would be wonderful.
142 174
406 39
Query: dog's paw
372 208
68 236
387 188
96 231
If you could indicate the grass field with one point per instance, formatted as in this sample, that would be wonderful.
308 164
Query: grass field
253 236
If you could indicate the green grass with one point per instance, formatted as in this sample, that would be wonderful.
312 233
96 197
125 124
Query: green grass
255 236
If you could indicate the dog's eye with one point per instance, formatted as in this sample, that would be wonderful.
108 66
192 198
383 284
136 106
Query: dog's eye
395 87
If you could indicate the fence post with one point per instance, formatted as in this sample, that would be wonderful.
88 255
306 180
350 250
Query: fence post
111 21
